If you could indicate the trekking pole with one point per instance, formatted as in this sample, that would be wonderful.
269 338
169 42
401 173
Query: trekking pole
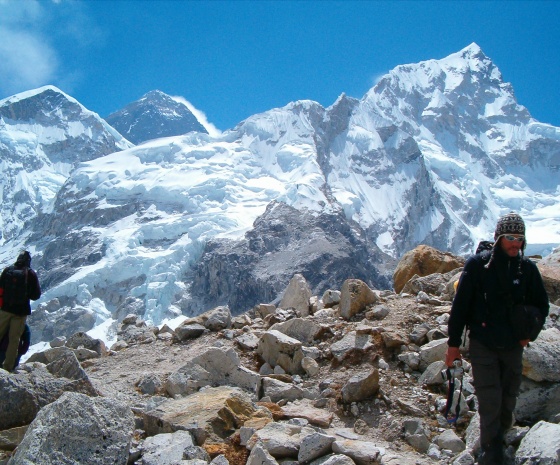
451 374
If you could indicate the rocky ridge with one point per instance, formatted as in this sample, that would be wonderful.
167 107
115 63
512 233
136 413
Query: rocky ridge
351 376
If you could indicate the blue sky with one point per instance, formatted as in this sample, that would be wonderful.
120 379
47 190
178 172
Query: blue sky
232 59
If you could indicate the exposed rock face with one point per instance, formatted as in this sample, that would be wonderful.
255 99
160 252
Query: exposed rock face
325 249
154 115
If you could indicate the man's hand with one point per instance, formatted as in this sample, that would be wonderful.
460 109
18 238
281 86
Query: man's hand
452 354
524 342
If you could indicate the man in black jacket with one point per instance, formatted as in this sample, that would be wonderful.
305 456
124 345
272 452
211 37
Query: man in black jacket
491 282
18 284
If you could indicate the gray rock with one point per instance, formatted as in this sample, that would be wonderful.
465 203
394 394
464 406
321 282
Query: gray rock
149 383
224 368
540 445
333 459
218 318
355 297
260 456
297 296
280 439
351 342
361 387
278 390
78 429
450 441
24 394
537 401
165 448
189 331
278 349
315 445
302 329
361 452
82 339
331 298
432 352
212 414
541 360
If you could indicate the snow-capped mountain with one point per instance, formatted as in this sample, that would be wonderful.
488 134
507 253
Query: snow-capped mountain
44 135
153 116
432 154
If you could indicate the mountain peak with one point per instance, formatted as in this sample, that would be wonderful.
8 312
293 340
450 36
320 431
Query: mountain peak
472 51
49 90
154 115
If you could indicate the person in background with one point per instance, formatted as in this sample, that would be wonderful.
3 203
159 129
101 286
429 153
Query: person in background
490 282
18 285
23 347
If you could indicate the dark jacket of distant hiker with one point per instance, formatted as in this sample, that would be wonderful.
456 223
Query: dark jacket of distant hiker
18 285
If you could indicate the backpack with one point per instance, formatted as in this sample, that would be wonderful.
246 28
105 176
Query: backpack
484 246
15 294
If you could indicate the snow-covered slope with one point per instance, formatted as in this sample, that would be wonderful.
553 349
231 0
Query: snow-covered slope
44 134
433 154
483 152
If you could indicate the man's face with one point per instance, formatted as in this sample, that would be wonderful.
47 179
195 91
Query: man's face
511 244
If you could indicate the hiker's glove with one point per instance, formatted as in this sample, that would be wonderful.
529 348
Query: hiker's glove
524 342
452 354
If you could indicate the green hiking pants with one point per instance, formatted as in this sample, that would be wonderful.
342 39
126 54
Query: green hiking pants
14 325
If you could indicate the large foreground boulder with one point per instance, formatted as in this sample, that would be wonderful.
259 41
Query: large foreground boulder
24 394
78 429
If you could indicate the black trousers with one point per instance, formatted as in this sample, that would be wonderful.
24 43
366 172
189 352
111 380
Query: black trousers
496 379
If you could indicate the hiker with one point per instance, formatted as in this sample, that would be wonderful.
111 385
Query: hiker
23 346
491 283
18 284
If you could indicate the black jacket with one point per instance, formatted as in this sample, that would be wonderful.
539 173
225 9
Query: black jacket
482 303
20 307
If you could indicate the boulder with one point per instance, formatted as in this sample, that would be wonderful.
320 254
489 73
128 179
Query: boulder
541 360
352 343
213 413
361 452
297 296
78 429
24 394
355 296
302 329
361 387
278 349
166 448
423 261
224 367
540 445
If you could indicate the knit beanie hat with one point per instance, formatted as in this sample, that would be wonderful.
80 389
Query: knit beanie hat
510 223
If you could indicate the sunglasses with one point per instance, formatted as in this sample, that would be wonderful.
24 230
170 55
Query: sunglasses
514 238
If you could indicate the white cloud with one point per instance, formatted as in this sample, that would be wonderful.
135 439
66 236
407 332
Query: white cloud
35 36
27 61
199 115
27 58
